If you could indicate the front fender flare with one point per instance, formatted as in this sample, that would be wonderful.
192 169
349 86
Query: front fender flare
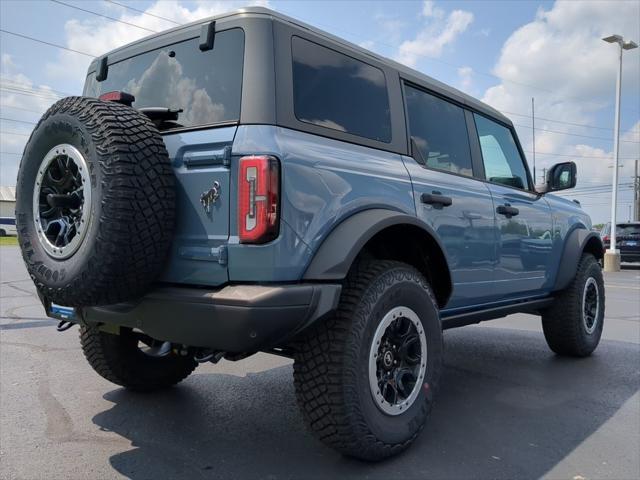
574 246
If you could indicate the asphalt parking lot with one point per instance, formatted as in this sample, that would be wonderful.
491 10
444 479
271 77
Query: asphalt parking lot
508 407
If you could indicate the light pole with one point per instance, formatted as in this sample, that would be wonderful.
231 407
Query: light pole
612 256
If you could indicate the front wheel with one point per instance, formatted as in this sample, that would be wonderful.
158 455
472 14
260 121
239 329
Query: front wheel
573 324
366 379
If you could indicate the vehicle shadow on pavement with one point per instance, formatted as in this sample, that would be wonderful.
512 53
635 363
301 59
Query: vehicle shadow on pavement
508 408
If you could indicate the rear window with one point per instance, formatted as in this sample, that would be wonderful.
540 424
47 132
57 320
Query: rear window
336 91
205 85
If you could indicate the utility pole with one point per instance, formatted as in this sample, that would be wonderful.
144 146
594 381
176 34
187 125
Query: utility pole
544 175
612 255
533 132
636 195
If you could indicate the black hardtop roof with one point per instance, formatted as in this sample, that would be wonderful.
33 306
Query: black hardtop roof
415 76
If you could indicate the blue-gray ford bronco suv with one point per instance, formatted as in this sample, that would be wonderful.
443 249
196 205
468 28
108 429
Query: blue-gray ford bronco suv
248 183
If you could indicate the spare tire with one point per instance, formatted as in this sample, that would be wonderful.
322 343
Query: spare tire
95 203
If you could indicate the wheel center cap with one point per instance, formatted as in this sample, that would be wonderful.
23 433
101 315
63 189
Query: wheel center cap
387 359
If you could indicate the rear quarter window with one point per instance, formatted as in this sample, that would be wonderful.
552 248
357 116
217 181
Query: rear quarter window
336 91
206 85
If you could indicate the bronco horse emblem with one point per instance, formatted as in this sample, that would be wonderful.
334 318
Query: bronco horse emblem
209 197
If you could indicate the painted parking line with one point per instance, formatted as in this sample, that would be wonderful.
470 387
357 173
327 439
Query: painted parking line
33 324
607 285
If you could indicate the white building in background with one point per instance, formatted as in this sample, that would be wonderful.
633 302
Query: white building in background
7 211
7 201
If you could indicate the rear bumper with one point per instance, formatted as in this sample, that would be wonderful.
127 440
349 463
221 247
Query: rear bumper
237 318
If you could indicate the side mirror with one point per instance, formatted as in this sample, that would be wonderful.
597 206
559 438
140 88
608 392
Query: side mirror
561 177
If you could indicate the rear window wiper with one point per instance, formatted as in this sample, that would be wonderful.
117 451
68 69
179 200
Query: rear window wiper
161 113
163 117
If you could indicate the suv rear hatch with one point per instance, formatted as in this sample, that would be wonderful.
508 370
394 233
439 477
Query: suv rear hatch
205 85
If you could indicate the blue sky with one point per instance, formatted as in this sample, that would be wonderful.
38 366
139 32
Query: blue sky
503 52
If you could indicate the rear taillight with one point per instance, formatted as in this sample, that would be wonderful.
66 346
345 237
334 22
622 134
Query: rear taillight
258 198
605 238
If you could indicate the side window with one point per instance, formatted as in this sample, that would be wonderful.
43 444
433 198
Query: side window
502 161
336 91
439 130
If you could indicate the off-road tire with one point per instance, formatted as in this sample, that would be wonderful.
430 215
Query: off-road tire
331 364
118 359
562 323
132 203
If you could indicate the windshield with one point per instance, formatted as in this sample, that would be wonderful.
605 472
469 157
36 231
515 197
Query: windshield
205 85
628 229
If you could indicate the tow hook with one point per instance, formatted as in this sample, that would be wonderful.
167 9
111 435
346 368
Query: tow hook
64 325
204 356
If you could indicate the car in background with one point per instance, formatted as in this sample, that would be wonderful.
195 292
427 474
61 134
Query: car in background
627 240
7 226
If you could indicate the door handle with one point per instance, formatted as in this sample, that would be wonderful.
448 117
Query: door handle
436 198
507 210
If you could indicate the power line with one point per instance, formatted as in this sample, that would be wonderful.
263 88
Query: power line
453 65
7 132
39 112
583 125
29 94
134 25
25 88
42 93
46 43
596 192
574 134
593 188
599 192
103 16
11 153
608 157
143 12
6 80
17 121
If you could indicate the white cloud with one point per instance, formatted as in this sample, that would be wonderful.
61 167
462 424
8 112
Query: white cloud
368 44
391 26
23 108
429 9
561 53
435 34
466 78
98 36
94 36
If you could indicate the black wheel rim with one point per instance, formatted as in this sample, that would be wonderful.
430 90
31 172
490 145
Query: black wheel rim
590 305
62 201
397 361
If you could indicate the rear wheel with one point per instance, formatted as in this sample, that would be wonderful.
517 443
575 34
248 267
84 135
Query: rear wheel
134 360
573 324
365 380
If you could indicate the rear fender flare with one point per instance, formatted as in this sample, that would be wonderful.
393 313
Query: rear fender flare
336 254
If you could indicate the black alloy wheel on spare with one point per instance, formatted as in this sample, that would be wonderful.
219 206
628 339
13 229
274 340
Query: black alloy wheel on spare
95 203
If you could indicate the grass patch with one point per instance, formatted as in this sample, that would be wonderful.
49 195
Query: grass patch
8 241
